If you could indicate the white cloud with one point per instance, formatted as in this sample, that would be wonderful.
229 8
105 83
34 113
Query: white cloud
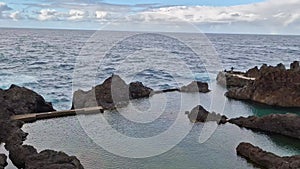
101 14
75 14
48 14
3 8
272 11
269 16
16 15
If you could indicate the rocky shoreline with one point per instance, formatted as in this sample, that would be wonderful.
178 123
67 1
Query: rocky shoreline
26 156
274 86
22 101
266 159
284 124
16 101
270 85
114 92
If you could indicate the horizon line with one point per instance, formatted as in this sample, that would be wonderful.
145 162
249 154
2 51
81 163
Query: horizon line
79 29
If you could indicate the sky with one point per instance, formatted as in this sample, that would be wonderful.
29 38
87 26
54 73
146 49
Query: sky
212 16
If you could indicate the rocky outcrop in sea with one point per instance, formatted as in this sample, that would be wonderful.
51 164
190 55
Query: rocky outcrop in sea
284 124
199 114
266 159
272 85
114 92
111 93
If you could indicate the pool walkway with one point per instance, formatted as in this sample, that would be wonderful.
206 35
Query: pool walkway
29 118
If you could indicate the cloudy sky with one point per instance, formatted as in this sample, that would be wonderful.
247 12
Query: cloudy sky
228 16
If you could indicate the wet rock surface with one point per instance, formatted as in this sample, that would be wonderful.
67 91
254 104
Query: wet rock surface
110 94
20 100
266 159
284 124
276 86
199 114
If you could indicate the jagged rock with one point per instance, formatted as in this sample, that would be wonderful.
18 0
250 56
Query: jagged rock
3 161
254 72
11 133
295 66
275 86
266 159
199 114
263 67
284 124
111 93
281 66
138 90
18 154
195 86
20 100
49 159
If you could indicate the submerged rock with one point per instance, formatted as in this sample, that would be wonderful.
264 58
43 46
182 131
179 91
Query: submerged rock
199 114
20 100
111 93
195 86
284 124
3 161
266 159
274 86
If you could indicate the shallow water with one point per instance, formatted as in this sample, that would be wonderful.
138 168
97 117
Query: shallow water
47 61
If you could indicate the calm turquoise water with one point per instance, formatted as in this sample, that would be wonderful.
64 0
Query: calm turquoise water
218 151
45 61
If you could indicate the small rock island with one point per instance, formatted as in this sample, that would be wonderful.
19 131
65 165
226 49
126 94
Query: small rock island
199 114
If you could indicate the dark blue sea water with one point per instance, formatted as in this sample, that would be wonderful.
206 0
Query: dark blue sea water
56 62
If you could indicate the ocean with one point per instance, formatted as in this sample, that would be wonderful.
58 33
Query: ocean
55 63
